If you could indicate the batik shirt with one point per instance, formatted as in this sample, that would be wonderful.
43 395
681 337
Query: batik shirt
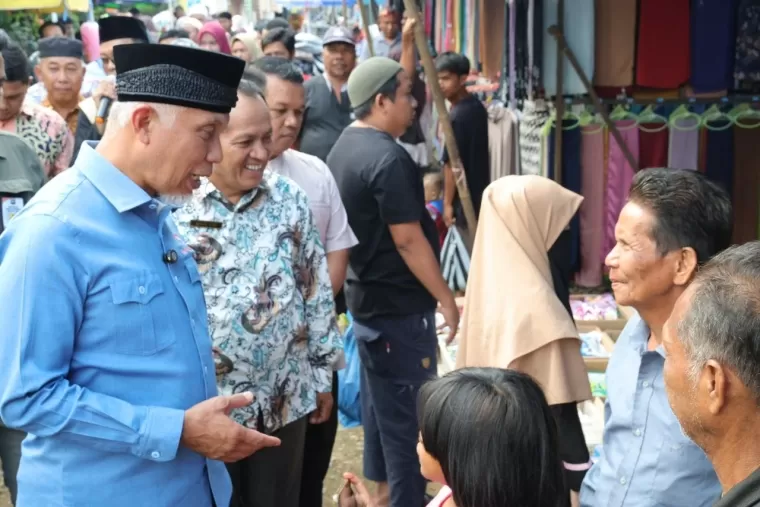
269 298
47 132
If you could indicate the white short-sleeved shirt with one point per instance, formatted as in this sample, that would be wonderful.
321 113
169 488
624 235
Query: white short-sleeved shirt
315 178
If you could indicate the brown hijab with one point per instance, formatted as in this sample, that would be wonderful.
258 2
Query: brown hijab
512 315
251 42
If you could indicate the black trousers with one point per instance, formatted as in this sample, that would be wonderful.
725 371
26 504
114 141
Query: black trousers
320 439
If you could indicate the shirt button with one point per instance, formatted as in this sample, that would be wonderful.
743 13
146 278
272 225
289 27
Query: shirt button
205 369
645 383
141 289
623 481
176 279
155 455
153 206
637 432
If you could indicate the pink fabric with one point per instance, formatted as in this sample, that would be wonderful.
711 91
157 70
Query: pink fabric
619 178
443 495
215 29
592 209
90 33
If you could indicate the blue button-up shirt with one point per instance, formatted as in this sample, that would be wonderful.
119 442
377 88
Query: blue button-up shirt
103 346
646 459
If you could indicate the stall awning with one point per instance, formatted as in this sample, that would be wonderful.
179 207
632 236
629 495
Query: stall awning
46 5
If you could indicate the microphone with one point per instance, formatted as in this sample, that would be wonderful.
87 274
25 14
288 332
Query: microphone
103 110
170 257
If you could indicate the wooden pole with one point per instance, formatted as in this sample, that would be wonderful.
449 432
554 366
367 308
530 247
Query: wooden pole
565 50
431 75
559 101
365 23
345 12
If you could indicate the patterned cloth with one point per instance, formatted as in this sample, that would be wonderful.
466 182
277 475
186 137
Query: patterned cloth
270 303
48 134
72 119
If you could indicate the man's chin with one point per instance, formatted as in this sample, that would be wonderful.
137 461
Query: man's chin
175 200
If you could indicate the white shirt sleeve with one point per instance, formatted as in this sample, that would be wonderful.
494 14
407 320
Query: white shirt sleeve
339 233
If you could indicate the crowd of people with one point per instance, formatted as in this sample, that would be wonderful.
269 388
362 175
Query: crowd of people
179 235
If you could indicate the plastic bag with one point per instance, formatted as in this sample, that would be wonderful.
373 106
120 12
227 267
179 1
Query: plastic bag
349 402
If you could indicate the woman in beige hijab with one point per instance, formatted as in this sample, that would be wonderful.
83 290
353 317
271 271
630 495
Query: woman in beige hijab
246 46
517 308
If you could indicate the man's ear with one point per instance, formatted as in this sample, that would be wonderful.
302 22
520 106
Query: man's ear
143 120
37 72
686 266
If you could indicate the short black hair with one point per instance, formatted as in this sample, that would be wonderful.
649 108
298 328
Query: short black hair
280 67
251 89
134 11
17 68
388 90
495 437
46 24
224 15
174 33
284 35
689 210
277 23
455 63
255 75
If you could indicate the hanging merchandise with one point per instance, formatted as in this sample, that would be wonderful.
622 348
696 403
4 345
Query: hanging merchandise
746 175
747 63
502 141
619 179
719 149
615 42
653 139
713 38
535 116
683 145
592 209
663 44
455 260
579 34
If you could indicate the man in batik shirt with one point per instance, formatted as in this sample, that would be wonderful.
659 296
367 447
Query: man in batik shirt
269 299
44 129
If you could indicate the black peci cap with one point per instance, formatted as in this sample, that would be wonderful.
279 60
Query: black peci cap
122 27
177 75
60 47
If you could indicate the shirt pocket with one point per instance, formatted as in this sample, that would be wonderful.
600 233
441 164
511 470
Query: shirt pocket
143 327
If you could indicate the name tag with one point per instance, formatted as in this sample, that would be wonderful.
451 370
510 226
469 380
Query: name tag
11 206
206 224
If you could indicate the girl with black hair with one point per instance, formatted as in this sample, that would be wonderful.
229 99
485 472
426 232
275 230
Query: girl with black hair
487 435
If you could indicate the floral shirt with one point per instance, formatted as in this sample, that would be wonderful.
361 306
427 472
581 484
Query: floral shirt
269 299
47 133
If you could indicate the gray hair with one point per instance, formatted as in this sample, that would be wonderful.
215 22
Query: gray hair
723 320
121 112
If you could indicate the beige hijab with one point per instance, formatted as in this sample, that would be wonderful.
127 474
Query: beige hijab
251 42
512 316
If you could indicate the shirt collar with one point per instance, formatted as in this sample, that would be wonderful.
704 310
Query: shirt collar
343 88
640 335
123 193
208 190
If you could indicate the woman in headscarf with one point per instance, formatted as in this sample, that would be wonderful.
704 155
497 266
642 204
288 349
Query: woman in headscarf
213 37
246 47
190 25
517 305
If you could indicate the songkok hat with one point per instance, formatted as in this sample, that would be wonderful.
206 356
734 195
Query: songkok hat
122 27
177 75
60 47
368 77
338 34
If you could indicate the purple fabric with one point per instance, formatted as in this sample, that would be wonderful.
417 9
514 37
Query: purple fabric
619 178
684 145
592 209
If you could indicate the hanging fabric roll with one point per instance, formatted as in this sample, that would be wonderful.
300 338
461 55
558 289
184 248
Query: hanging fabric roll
579 33
747 63
719 153
663 44
746 183
615 42
572 178
653 145
713 36
592 209
502 149
619 179
683 149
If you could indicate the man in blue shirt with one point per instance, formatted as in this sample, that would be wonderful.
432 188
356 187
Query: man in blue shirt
105 357
674 221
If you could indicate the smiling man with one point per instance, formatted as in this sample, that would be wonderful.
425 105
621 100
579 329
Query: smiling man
286 99
269 297
674 221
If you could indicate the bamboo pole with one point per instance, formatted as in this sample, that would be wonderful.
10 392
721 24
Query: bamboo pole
431 76
365 23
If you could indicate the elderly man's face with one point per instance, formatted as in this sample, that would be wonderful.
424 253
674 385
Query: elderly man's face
287 102
639 274
62 77
682 389
183 150
246 145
